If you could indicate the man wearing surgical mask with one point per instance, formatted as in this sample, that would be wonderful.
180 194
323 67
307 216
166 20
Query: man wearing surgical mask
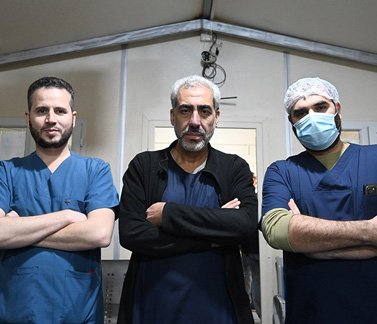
319 207
316 118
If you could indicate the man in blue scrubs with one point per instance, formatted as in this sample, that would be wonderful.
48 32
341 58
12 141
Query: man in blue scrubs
320 207
56 212
186 265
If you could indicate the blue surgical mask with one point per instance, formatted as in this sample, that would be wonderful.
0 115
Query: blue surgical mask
317 131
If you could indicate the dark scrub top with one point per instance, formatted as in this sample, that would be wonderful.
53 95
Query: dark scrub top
188 288
48 286
327 291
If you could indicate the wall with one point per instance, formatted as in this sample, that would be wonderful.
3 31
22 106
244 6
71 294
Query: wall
255 74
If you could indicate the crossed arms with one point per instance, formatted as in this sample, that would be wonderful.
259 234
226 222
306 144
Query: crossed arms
328 239
162 230
320 238
286 228
64 230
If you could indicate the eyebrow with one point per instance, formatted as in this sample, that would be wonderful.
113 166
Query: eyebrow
321 103
48 107
299 110
192 107
185 106
317 104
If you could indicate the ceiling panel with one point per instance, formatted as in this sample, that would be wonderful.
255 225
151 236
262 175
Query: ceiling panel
34 24
41 23
345 23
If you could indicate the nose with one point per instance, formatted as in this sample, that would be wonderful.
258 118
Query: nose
195 118
50 117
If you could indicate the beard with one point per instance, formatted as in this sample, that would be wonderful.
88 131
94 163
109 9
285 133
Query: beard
338 123
65 135
193 146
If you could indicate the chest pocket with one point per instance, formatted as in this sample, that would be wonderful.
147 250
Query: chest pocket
370 206
60 203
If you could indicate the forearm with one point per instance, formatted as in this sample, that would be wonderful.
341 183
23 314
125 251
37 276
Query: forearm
17 232
222 226
164 246
139 235
312 235
318 238
95 232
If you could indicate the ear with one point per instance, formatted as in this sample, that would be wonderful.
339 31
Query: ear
172 117
74 115
27 117
290 118
339 107
217 116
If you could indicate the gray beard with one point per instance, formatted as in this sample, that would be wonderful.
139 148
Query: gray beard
194 147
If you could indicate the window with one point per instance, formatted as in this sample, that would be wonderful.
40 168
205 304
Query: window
359 132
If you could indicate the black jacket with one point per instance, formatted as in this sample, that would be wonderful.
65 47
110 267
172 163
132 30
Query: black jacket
185 228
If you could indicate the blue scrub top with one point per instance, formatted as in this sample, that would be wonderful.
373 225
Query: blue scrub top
327 291
39 285
188 288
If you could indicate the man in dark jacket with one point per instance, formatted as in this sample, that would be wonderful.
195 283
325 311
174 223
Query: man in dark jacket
186 266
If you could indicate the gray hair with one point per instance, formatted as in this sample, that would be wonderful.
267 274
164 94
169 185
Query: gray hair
194 81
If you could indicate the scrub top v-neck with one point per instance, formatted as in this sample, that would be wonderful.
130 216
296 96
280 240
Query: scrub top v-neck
48 286
327 286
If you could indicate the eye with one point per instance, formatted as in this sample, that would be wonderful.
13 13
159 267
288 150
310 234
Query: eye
40 110
321 108
184 111
206 112
300 114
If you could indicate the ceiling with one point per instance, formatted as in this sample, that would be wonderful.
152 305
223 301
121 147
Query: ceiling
27 24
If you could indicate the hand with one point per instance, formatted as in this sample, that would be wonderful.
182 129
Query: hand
12 213
75 216
235 203
293 209
154 213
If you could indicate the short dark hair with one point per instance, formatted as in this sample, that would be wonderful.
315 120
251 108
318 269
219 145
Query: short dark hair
48 83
